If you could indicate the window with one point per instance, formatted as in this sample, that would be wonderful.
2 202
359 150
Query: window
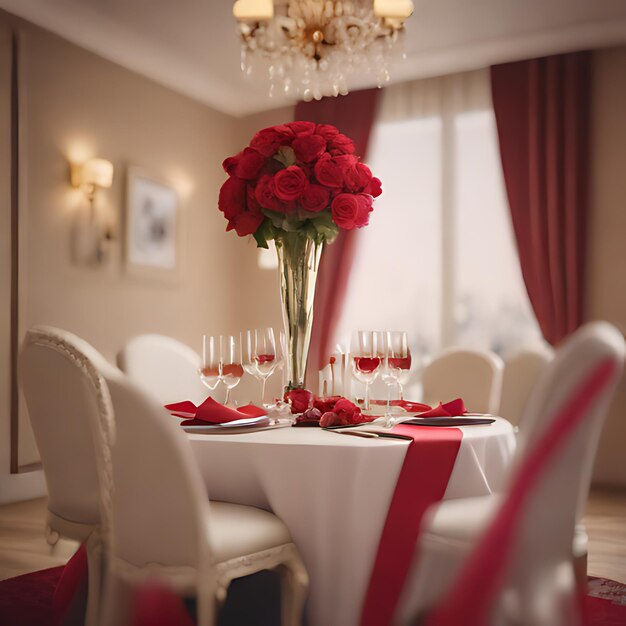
438 259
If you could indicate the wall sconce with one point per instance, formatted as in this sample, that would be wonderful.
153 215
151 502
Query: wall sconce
92 236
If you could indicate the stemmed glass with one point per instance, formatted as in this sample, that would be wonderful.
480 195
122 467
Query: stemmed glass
397 360
231 370
249 355
265 357
210 367
260 356
366 361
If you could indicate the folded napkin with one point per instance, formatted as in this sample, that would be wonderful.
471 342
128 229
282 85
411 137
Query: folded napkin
447 409
211 412
251 410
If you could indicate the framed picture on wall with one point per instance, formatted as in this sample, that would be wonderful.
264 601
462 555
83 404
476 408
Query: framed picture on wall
152 225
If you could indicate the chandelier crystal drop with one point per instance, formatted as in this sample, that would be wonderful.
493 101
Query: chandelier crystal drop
310 48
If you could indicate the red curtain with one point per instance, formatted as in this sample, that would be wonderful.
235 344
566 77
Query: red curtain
542 109
353 115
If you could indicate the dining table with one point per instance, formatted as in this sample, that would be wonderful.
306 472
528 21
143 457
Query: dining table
333 491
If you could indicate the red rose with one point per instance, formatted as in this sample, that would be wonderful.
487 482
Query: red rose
265 193
326 404
232 198
289 183
374 188
315 198
345 162
230 164
329 419
340 144
302 128
346 410
299 399
328 131
268 140
249 164
357 177
328 172
367 206
351 210
245 223
309 147
252 202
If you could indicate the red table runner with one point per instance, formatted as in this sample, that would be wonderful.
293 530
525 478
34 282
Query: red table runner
423 480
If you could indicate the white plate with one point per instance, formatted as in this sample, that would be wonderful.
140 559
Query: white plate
247 422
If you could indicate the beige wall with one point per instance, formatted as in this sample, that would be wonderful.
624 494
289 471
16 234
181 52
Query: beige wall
607 237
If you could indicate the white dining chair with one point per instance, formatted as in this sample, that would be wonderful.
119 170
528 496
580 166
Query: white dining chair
164 367
542 575
164 526
72 418
474 375
521 373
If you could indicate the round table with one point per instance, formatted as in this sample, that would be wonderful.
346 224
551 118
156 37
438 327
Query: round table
333 492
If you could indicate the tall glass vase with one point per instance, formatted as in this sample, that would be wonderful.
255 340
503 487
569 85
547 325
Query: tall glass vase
298 264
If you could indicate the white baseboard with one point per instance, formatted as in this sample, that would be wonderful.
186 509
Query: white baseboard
18 487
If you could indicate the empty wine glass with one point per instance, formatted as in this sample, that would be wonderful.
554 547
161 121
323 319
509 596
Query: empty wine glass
209 370
396 361
366 361
230 362
265 357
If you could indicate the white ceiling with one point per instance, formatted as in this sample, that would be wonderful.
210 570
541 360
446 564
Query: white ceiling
192 46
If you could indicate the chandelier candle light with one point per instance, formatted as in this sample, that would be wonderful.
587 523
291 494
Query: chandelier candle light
311 47
297 184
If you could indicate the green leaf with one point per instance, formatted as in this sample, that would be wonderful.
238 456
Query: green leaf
286 156
307 215
276 218
264 233
325 227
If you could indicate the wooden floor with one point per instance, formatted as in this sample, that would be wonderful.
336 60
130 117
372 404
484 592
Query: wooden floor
23 547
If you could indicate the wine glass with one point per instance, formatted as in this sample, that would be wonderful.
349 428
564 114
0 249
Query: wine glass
397 360
265 357
230 364
209 370
366 361
249 354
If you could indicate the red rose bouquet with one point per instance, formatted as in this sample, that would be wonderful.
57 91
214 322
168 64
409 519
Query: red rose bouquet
297 178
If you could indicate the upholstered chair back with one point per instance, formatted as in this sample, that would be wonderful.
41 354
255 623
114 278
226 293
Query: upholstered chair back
474 375
521 373
72 419
159 500
164 367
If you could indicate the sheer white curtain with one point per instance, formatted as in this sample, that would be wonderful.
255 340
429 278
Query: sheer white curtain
438 259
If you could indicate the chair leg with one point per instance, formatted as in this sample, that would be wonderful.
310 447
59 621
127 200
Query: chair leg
294 584
94 581
580 572
207 607
116 600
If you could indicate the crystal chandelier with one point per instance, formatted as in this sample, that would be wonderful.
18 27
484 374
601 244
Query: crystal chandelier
310 47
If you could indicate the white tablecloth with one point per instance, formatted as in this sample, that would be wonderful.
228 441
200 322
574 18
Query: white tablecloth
333 492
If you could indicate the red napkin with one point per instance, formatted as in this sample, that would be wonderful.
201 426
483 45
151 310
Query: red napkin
448 409
252 410
211 412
